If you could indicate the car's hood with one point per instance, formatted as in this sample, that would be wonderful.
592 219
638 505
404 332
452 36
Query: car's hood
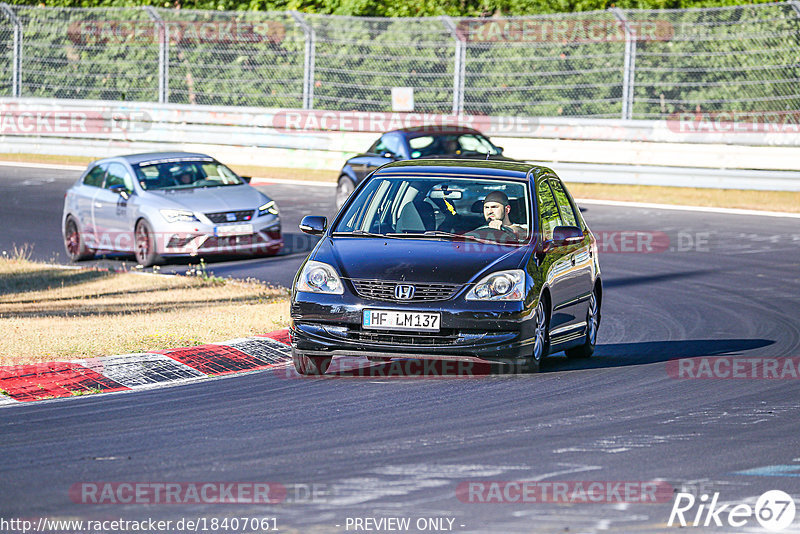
416 260
212 199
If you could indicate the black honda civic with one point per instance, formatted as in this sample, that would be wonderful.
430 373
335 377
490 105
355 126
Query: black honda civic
481 261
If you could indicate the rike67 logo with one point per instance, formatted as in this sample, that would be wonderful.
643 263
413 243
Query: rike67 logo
774 511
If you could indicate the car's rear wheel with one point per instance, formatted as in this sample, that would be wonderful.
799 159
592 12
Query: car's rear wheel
145 248
73 242
310 365
343 190
592 324
541 339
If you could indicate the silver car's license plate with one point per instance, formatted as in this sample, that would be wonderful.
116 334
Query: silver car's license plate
233 229
400 320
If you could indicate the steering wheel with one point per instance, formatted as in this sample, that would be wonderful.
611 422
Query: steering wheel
487 232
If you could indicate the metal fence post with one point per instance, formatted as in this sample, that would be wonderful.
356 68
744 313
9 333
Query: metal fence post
629 68
459 65
16 58
308 60
163 55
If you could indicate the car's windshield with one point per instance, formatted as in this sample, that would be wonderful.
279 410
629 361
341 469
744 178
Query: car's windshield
451 145
184 174
440 208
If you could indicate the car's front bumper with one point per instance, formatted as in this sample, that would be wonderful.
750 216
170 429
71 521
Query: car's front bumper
471 331
200 239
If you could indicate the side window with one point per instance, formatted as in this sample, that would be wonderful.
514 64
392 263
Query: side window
392 143
564 205
95 177
119 175
378 147
548 212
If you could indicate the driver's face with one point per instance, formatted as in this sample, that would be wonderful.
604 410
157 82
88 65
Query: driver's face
494 211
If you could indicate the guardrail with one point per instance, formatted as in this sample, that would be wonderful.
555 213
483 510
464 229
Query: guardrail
755 156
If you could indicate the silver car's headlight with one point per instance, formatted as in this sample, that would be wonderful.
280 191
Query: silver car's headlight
270 208
502 285
318 277
178 215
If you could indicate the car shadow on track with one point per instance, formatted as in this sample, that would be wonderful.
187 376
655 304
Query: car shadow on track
644 352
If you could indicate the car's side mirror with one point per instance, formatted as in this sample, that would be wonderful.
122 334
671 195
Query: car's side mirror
313 224
246 179
499 150
567 235
120 190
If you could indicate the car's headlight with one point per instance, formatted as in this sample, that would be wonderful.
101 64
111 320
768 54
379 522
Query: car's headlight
270 208
318 277
502 285
178 215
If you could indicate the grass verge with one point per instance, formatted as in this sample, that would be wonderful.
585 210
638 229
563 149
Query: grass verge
54 314
693 196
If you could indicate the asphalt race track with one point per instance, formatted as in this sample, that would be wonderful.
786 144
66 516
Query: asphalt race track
399 447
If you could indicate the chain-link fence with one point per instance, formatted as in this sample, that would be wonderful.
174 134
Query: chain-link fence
606 64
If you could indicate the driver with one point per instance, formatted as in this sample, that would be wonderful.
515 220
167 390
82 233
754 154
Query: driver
496 209
185 177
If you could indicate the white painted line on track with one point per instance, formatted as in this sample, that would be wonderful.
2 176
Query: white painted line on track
679 207
43 165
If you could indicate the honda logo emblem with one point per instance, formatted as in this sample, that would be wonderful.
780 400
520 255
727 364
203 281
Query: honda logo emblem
404 292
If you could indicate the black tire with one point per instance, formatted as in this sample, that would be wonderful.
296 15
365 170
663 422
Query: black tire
310 365
145 244
592 324
541 343
343 190
74 244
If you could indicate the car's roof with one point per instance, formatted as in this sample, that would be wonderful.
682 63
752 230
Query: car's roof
483 168
147 157
428 129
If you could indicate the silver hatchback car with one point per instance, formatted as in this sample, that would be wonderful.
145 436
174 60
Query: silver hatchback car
167 204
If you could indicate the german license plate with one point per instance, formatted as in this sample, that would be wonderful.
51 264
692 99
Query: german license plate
400 320
233 229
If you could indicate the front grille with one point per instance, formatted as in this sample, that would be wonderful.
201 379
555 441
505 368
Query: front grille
222 216
416 339
423 291
232 241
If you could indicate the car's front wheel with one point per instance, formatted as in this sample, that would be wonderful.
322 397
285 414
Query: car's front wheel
310 365
145 248
343 190
73 242
592 324
541 339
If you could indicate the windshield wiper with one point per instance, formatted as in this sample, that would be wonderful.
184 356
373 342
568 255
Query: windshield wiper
362 233
435 233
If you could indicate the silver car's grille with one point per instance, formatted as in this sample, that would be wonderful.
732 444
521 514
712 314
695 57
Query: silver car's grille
423 291
230 216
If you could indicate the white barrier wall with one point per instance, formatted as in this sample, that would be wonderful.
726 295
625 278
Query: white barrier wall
687 146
